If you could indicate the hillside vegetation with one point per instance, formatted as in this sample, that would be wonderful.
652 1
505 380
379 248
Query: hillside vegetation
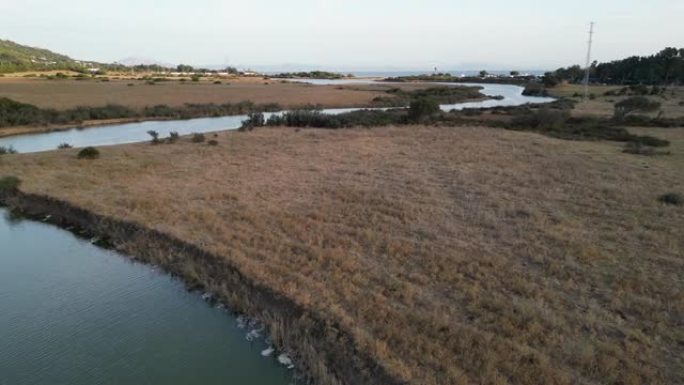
16 57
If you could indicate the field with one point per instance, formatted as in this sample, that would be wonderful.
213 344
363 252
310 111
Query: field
602 105
69 93
451 255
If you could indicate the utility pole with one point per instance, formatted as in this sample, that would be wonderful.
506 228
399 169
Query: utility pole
588 67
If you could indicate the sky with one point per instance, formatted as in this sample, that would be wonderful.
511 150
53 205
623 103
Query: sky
347 34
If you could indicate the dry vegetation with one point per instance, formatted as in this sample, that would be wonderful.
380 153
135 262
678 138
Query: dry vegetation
602 105
452 255
69 93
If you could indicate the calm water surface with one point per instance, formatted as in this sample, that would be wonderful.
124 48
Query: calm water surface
137 132
72 313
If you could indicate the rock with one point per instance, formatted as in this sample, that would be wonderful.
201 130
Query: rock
284 359
267 352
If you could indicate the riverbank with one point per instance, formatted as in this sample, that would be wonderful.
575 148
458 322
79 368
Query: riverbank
292 328
22 118
443 254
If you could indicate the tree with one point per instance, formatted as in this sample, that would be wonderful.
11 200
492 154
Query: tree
550 80
634 104
515 73
184 68
483 73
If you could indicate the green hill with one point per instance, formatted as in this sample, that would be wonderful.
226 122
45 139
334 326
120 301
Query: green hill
16 57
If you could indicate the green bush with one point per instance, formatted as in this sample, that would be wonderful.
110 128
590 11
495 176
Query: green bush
9 184
634 104
89 153
254 119
7 150
155 136
198 138
64 146
213 142
672 199
173 137
422 108
544 119
637 148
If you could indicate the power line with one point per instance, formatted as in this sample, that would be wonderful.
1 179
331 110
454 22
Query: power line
588 67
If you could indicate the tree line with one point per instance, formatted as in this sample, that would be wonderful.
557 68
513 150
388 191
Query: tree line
664 67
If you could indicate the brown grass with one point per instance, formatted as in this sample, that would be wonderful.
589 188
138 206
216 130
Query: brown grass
63 94
452 255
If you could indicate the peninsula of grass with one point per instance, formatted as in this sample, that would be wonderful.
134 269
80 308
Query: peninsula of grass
430 255
449 78
312 75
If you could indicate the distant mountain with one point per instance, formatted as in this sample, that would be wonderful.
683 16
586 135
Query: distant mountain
134 61
16 57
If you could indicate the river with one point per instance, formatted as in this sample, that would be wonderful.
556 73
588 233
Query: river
72 313
137 132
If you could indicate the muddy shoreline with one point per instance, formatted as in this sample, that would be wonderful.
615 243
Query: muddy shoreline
323 353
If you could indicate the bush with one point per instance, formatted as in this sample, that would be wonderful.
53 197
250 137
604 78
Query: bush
89 153
155 136
198 138
637 148
195 78
7 150
423 108
64 146
9 184
212 142
672 199
254 119
173 137
544 119
652 141
634 104
217 82
535 89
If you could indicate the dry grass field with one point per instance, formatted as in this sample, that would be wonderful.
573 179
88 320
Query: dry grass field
69 93
452 255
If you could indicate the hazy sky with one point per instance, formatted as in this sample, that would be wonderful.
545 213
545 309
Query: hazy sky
347 34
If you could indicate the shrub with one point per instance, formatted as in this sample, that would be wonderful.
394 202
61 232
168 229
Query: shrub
155 136
422 108
637 148
254 119
212 142
198 138
217 82
672 199
535 89
89 153
652 141
195 78
64 146
544 119
173 137
634 104
9 184
7 150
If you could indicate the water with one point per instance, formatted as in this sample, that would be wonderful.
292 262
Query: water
72 313
137 132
